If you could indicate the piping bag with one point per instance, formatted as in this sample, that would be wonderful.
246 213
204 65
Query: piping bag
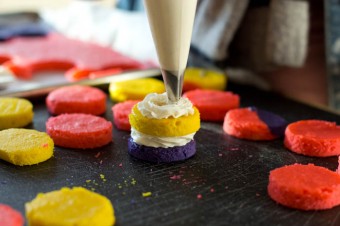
171 23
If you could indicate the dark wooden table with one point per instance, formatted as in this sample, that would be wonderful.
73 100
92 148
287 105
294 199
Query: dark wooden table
225 183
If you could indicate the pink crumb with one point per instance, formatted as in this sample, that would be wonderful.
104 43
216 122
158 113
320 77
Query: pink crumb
199 196
234 149
212 190
97 155
175 177
120 165
220 154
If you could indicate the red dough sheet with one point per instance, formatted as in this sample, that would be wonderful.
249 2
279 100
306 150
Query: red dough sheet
76 99
213 104
313 138
27 55
81 131
10 216
121 113
305 187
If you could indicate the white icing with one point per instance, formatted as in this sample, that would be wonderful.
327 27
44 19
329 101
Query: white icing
163 142
158 106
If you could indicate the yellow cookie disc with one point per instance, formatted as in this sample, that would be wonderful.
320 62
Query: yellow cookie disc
25 146
198 78
69 207
135 89
15 112
169 127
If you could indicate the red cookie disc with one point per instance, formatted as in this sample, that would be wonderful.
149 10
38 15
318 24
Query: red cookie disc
253 124
313 138
10 216
213 104
305 187
121 113
76 99
79 131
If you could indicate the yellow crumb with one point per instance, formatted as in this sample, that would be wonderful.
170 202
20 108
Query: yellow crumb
146 194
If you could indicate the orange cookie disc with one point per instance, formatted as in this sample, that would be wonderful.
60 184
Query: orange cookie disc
313 138
305 187
121 113
79 131
213 104
253 124
76 99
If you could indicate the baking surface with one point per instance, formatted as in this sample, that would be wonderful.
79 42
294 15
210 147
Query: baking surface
223 184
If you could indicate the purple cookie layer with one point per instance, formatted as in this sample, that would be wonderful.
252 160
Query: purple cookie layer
159 155
275 123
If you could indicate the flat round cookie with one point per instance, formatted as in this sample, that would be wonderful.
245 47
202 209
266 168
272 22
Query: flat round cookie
200 78
166 127
254 124
135 89
81 131
65 207
121 113
15 112
213 104
76 99
25 146
305 187
159 154
313 138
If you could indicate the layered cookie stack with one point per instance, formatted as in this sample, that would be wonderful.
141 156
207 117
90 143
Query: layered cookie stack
162 131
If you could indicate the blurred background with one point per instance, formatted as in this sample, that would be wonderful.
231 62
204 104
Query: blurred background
286 46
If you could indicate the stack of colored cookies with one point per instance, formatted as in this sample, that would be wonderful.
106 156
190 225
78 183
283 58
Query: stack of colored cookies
163 131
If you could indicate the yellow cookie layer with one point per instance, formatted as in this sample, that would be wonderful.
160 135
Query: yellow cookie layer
170 127
15 112
25 146
135 89
70 207
205 79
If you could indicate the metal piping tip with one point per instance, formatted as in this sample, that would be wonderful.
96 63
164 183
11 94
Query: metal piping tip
173 81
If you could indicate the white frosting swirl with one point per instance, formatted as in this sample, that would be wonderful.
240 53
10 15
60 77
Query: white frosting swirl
158 106
163 142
